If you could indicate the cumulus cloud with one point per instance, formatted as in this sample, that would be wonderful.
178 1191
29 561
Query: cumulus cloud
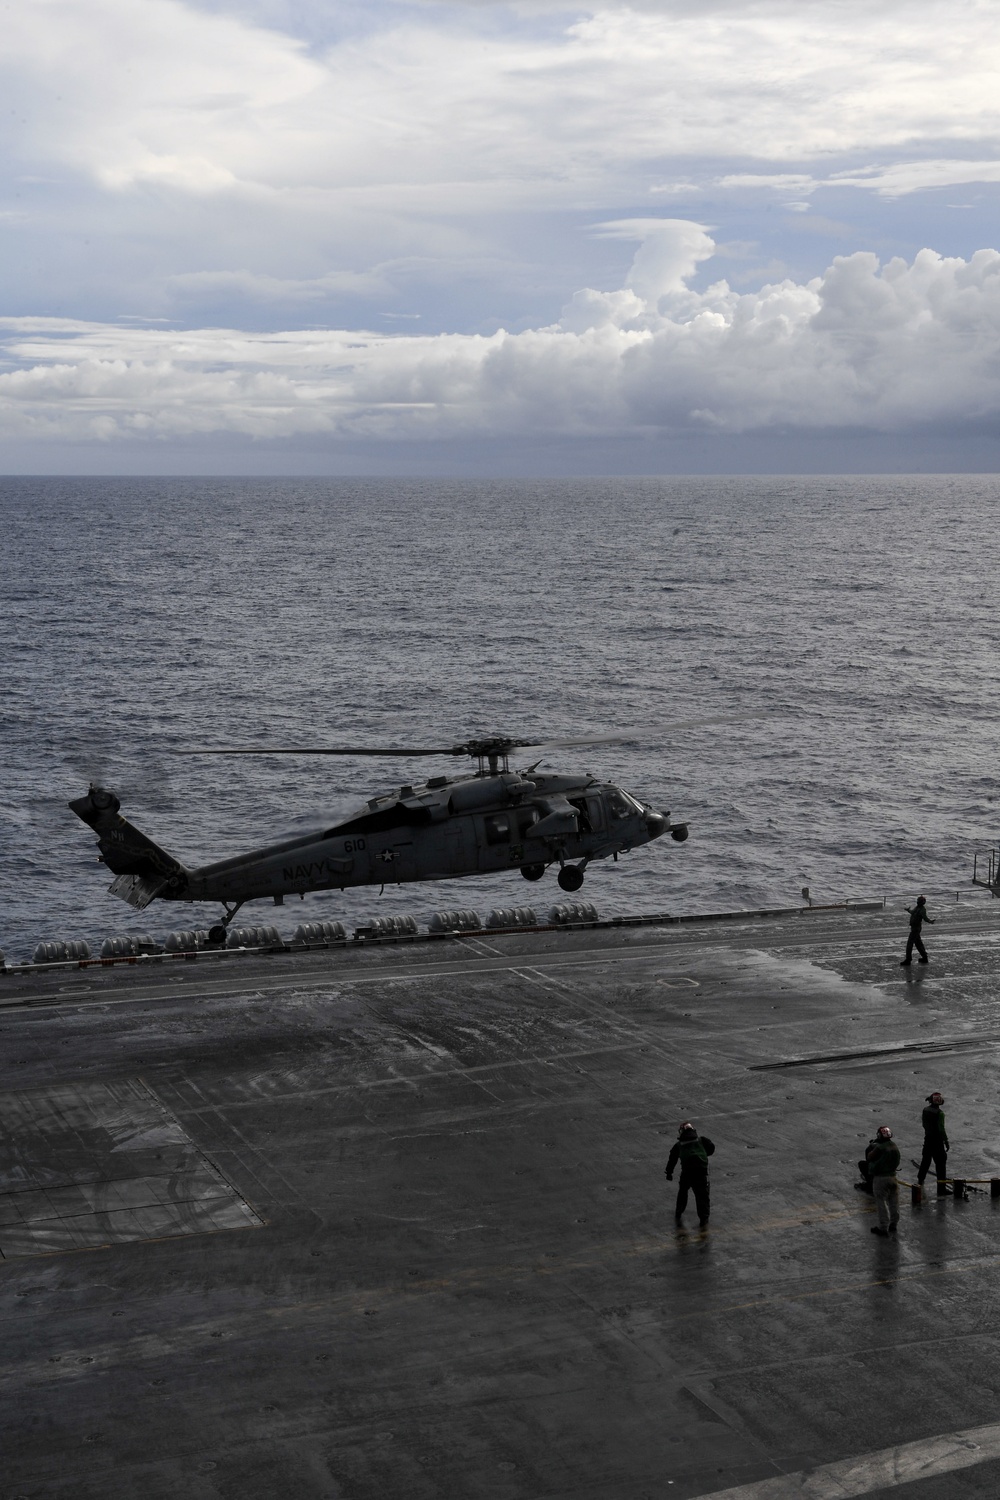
864 346
670 253
305 159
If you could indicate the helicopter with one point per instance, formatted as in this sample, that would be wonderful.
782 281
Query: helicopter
486 822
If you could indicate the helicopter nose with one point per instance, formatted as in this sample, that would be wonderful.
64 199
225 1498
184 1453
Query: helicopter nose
656 824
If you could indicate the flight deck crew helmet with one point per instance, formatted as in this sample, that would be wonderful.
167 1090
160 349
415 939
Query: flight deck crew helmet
935 1098
921 900
884 1133
687 1132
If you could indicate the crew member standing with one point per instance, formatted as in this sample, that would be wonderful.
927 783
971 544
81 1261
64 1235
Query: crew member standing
935 1142
918 916
692 1151
883 1159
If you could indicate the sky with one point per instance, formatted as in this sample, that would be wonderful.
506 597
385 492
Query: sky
320 236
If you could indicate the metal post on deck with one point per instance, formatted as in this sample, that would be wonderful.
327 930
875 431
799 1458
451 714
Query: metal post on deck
992 859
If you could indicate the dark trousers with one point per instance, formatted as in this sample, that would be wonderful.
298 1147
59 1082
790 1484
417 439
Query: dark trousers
933 1152
915 941
695 1178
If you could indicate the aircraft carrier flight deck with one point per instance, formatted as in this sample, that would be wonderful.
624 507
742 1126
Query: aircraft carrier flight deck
390 1220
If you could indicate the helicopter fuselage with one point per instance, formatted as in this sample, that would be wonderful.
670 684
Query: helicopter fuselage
474 826
443 829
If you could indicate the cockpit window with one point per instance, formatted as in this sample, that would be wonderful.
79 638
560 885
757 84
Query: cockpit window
622 805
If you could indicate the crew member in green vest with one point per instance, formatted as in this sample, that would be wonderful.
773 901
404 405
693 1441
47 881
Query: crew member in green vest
692 1151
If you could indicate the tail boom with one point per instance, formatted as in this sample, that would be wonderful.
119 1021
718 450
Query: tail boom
142 869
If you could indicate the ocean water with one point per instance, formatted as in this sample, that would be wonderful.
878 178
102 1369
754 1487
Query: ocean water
848 625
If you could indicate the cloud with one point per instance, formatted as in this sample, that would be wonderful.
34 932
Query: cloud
305 160
917 176
201 285
888 348
893 181
783 182
167 97
668 257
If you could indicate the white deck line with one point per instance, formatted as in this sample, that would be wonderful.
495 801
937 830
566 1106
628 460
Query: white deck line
883 1470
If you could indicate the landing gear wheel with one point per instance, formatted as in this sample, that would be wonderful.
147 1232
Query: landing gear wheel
217 934
570 878
532 872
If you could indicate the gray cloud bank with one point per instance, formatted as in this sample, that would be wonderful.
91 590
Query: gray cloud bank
890 348
167 97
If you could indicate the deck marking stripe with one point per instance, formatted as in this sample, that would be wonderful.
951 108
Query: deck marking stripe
884 1470
294 983
480 948
353 1303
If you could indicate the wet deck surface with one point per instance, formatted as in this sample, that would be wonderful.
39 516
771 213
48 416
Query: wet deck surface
393 1222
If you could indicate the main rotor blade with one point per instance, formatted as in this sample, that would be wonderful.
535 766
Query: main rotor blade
627 737
475 746
680 724
590 739
321 750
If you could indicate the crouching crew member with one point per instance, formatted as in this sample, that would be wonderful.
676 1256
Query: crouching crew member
883 1160
692 1151
935 1142
865 1169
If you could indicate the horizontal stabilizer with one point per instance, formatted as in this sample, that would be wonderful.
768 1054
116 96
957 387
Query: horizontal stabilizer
137 890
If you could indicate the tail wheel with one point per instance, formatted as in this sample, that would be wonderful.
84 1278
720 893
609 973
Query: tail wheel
570 878
532 872
217 934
